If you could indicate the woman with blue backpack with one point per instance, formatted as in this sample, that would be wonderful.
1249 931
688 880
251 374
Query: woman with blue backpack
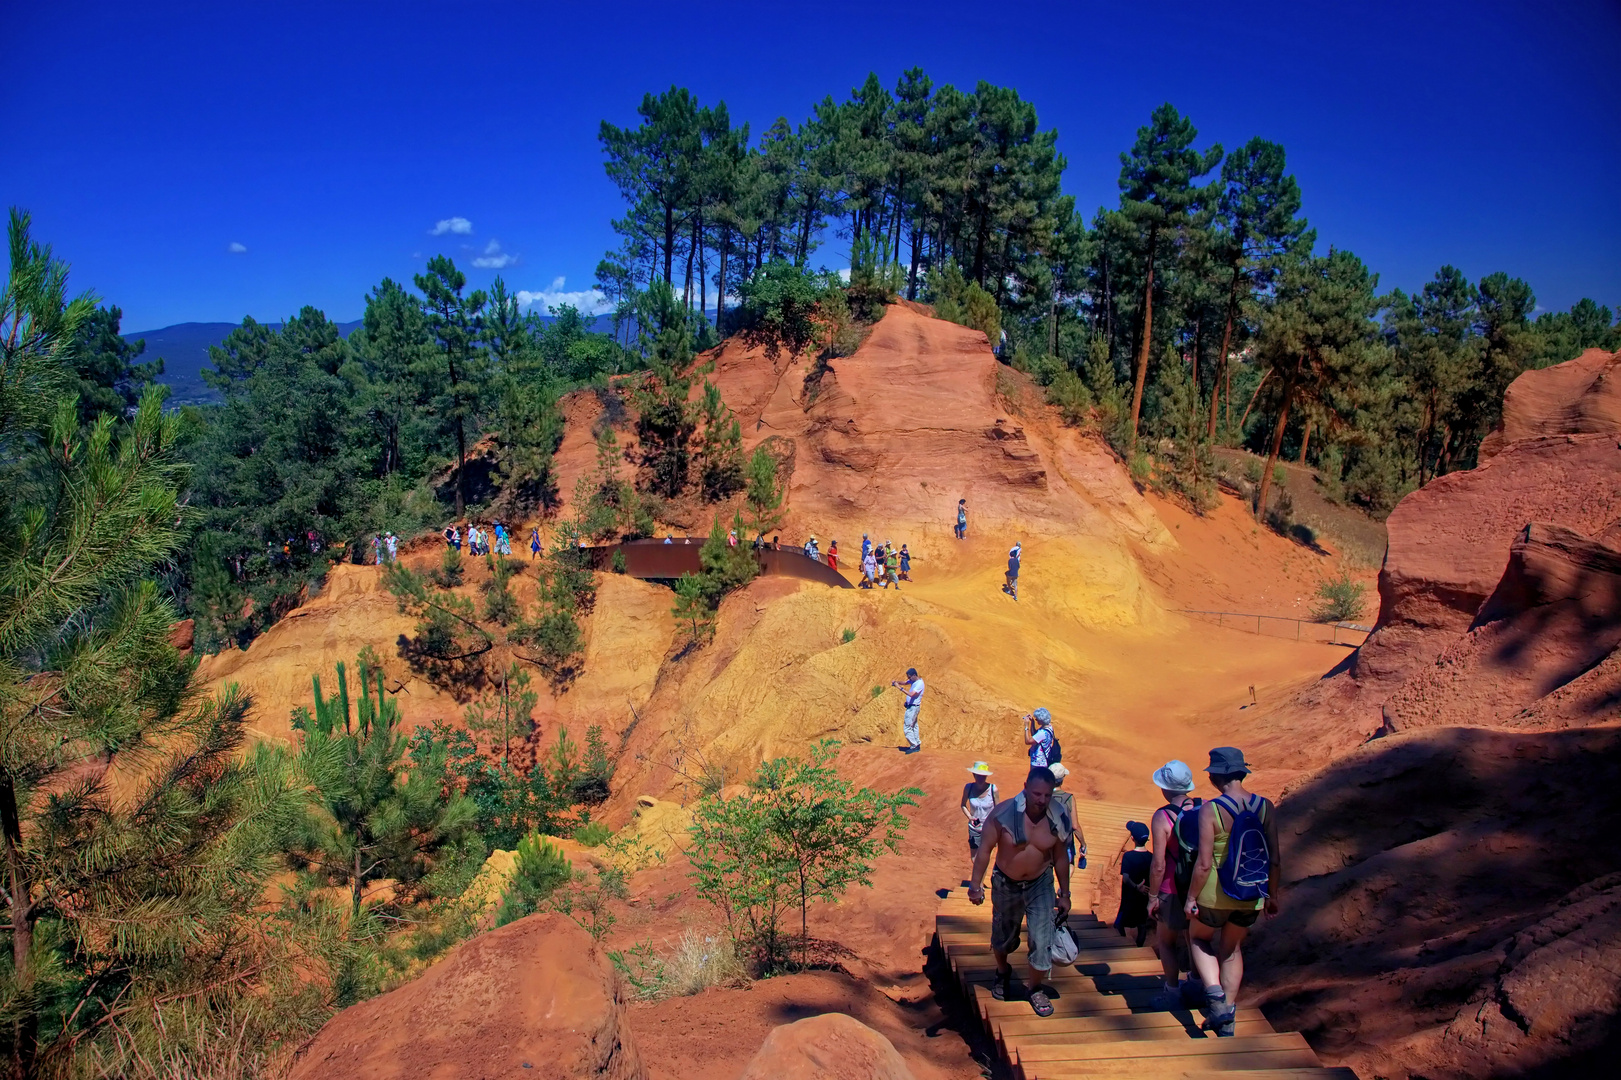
1236 876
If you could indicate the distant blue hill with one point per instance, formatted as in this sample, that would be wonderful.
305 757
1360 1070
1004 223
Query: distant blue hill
184 349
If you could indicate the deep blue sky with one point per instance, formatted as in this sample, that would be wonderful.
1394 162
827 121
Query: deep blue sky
328 139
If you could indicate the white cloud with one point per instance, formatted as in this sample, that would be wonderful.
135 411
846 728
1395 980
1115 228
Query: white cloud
236 248
494 258
459 225
588 301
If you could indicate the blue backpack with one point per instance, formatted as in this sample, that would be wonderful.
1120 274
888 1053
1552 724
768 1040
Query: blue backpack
1246 872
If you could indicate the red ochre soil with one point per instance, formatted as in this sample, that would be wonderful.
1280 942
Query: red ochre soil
921 415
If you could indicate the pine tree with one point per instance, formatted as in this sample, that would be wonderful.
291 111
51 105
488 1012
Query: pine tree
134 827
455 321
1256 225
1157 194
665 419
1321 340
370 817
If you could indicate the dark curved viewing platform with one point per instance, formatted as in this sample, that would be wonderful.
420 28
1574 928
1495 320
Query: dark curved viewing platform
658 561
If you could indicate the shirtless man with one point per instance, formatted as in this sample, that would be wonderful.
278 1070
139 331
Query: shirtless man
1029 834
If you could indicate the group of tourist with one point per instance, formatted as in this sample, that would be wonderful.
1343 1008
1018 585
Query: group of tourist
885 564
1195 878
495 540
385 547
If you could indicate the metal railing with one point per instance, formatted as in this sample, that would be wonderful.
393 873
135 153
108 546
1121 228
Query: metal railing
1334 629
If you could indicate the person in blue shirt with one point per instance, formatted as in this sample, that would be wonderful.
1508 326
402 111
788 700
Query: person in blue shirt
866 546
1011 586
962 519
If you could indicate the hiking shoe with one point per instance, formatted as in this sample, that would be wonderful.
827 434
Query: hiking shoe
1223 1020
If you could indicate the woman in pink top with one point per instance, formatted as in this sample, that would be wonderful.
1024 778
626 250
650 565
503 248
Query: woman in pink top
1174 780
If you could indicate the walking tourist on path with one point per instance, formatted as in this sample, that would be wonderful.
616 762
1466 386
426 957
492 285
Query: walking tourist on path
1066 800
833 554
1028 836
1237 874
906 564
913 688
393 543
1011 585
1175 782
534 543
1039 736
1134 867
869 569
962 519
978 800
892 566
377 550
452 538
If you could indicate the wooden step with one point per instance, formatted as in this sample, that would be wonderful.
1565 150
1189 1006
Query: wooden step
1266 1065
1176 1024
1140 1050
1179 1033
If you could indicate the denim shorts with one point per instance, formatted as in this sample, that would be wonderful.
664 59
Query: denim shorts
1016 902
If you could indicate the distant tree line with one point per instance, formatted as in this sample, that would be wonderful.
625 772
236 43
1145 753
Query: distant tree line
1176 313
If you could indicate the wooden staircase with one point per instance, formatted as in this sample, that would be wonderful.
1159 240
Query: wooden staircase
1100 1025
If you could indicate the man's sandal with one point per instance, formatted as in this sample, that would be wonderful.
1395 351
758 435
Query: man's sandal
1002 988
1040 1003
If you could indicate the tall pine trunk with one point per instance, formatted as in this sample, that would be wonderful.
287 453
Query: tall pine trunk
692 249
1221 369
25 1028
1277 439
1305 440
669 242
1148 338
461 439
1265 375
911 275
720 289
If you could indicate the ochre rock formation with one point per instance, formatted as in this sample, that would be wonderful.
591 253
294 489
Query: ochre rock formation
1579 397
832 1046
1454 906
1450 540
537 991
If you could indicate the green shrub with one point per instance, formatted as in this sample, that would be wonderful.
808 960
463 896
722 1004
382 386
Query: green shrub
801 833
593 834
1340 599
1280 475
448 575
539 871
1252 470
619 562
1141 469
1071 397
877 690
848 636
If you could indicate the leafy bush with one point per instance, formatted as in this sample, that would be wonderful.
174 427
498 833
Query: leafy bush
1252 470
1071 397
540 870
800 833
593 834
619 561
1141 468
877 690
1340 599
777 307
848 636
448 574
964 302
